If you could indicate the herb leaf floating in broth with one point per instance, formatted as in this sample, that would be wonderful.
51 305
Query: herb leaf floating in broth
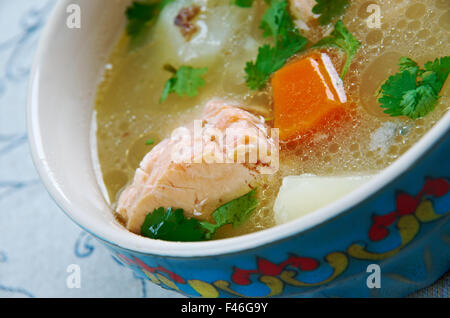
185 81
414 92
141 14
234 212
243 3
276 22
328 9
436 73
341 38
173 225
406 64
269 60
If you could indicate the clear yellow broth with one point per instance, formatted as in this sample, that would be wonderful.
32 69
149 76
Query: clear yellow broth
128 111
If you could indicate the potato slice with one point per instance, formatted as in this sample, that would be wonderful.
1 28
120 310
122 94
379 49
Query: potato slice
301 195
216 25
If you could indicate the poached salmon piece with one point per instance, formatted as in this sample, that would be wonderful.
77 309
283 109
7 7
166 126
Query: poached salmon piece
200 167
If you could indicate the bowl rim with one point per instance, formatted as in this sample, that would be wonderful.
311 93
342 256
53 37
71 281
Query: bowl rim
188 250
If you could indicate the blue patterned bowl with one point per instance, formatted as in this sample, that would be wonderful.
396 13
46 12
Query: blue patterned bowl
396 226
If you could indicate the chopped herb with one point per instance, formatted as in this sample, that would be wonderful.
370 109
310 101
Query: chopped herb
173 225
185 81
276 22
341 38
243 3
414 92
139 14
271 59
149 142
436 73
258 72
406 64
142 14
329 9
234 212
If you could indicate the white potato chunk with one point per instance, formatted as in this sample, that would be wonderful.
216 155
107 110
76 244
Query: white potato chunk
216 26
301 195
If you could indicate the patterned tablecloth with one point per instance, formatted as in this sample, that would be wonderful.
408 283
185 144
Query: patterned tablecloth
37 241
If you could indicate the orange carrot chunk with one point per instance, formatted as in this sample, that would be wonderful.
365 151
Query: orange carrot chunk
308 96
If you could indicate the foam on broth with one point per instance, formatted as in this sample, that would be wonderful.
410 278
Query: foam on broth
129 112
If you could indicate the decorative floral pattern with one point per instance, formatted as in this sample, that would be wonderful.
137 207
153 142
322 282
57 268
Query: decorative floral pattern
406 205
265 267
13 49
410 212
12 290
84 246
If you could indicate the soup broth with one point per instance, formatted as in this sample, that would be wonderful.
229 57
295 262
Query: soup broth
128 112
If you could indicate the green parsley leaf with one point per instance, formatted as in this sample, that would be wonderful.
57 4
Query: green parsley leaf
139 15
271 59
406 64
267 62
394 89
185 81
243 3
173 225
328 9
142 14
436 72
150 142
234 212
418 102
276 22
341 38
414 92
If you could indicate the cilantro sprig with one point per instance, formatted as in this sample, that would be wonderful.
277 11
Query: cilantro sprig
142 14
329 9
234 212
342 39
414 92
277 23
185 81
173 225
271 59
243 3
